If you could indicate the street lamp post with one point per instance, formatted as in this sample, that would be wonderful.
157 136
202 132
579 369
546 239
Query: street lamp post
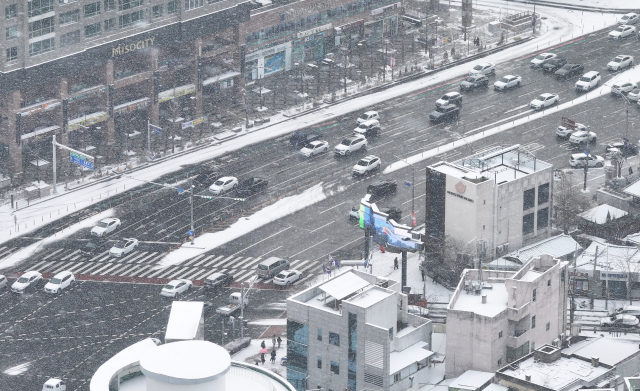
191 188
413 186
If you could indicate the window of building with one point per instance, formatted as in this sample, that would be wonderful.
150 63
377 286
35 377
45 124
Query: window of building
69 17
396 377
527 224
193 4
110 24
543 194
543 218
500 334
334 339
128 4
533 322
319 334
11 32
10 11
109 5
64 2
12 53
297 350
70 38
549 282
157 11
499 361
534 294
529 199
41 27
172 7
319 362
548 325
92 9
39 7
335 367
129 19
40 47
92 30
391 333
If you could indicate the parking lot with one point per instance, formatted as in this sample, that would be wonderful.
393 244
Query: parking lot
71 334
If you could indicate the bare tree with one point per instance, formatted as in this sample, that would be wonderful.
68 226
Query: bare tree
627 262
568 201
447 264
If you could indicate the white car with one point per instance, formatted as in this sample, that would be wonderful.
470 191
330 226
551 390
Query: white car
634 94
367 116
620 62
54 384
3 282
60 282
287 277
588 81
565 132
509 81
485 68
176 287
450 98
630 18
27 280
619 321
623 88
367 164
541 59
622 31
123 247
314 148
105 226
351 144
544 100
224 185
582 137
580 159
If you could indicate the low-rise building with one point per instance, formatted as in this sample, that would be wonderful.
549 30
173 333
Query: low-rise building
561 246
354 332
496 317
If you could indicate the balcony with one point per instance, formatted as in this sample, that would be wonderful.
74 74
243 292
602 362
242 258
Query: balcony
517 314
517 337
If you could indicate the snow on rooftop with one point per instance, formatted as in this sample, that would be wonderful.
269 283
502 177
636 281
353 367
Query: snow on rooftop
530 276
472 380
497 299
601 214
343 285
184 320
556 246
609 351
610 257
370 297
126 357
495 387
412 354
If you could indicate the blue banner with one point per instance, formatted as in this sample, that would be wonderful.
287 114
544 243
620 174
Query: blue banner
80 160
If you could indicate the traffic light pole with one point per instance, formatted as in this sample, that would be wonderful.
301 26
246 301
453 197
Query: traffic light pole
55 144
191 188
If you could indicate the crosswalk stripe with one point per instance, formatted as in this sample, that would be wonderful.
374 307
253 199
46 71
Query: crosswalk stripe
157 272
189 273
45 267
81 270
149 272
63 266
140 254
96 271
37 265
69 255
243 275
213 262
175 273
231 262
101 257
5 251
53 253
244 262
119 271
135 270
105 272
76 257
297 264
222 261
309 266
205 259
203 273
148 255
76 267
128 256
194 259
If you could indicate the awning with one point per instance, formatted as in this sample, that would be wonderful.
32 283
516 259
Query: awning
409 356
38 134
87 120
176 92
343 285
216 78
131 106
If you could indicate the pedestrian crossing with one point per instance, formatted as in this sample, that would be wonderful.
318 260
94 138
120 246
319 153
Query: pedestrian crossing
142 264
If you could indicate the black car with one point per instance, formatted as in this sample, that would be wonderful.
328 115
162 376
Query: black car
554 64
394 213
217 280
94 247
444 113
301 138
568 71
473 82
251 186
381 189
624 146
205 180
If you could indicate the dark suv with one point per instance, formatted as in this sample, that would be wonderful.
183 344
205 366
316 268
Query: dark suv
301 138
393 212
217 280
251 186
381 189
94 247
444 113
553 65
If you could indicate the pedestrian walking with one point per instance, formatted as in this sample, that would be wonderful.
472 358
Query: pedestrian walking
395 263
262 358
279 341
263 345
422 274
273 356
273 341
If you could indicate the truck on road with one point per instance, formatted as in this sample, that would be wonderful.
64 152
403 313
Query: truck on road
234 304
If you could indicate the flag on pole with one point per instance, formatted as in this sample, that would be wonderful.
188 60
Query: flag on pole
155 129
413 219
334 262
326 269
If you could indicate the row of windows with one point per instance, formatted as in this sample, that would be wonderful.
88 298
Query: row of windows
39 7
334 366
529 199
41 27
528 220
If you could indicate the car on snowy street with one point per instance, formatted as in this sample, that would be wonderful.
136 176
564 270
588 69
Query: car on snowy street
620 62
623 146
582 137
444 113
175 288
619 320
366 165
26 281
544 100
287 277
369 115
578 160
623 88
450 98
565 132
485 68
217 280
622 31
314 148
507 82
60 282
105 226
554 64
630 18
473 82
542 59
588 81
250 186
123 247
224 185
350 145
568 71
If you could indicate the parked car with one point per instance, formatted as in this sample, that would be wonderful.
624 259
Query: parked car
507 82
620 62
619 320
354 213
28 280
630 18
301 138
588 81
564 132
287 277
54 384
123 247
554 64
450 98
444 113
369 115
366 165
350 145
60 282
634 94
624 146
203 180
105 227
217 280
381 189
224 185
314 148
623 88
271 267
93 247
473 82
250 186
582 137
539 60
485 68
622 31
580 159
368 129
3 282
544 100
175 288
568 71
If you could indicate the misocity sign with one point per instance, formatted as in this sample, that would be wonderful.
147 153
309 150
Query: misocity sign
131 47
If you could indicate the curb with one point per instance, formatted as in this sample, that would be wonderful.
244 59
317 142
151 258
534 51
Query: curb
578 7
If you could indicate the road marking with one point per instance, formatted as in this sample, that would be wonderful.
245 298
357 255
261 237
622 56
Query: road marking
482 109
326 210
516 108
268 237
214 261
331 222
308 248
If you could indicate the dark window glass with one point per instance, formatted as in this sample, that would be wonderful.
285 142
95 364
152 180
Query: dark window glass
297 332
109 5
127 4
335 367
92 30
527 224
110 24
11 11
39 7
92 9
129 19
11 32
319 334
172 7
548 325
534 295
297 356
334 339
41 27
500 334
351 354
543 194
297 379
157 11
70 38
529 199
12 53
69 17
319 362
543 218
41 47
533 322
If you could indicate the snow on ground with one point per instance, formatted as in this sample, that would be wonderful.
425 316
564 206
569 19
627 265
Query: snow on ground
560 26
28 251
244 225
251 355
617 4
270 322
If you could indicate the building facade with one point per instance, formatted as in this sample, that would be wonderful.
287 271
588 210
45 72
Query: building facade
94 72
353 332
496 317
500 199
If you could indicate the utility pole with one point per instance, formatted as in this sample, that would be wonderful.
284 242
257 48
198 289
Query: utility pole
191 188
595 262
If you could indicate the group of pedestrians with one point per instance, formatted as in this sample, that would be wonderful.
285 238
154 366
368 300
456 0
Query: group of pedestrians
263 350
